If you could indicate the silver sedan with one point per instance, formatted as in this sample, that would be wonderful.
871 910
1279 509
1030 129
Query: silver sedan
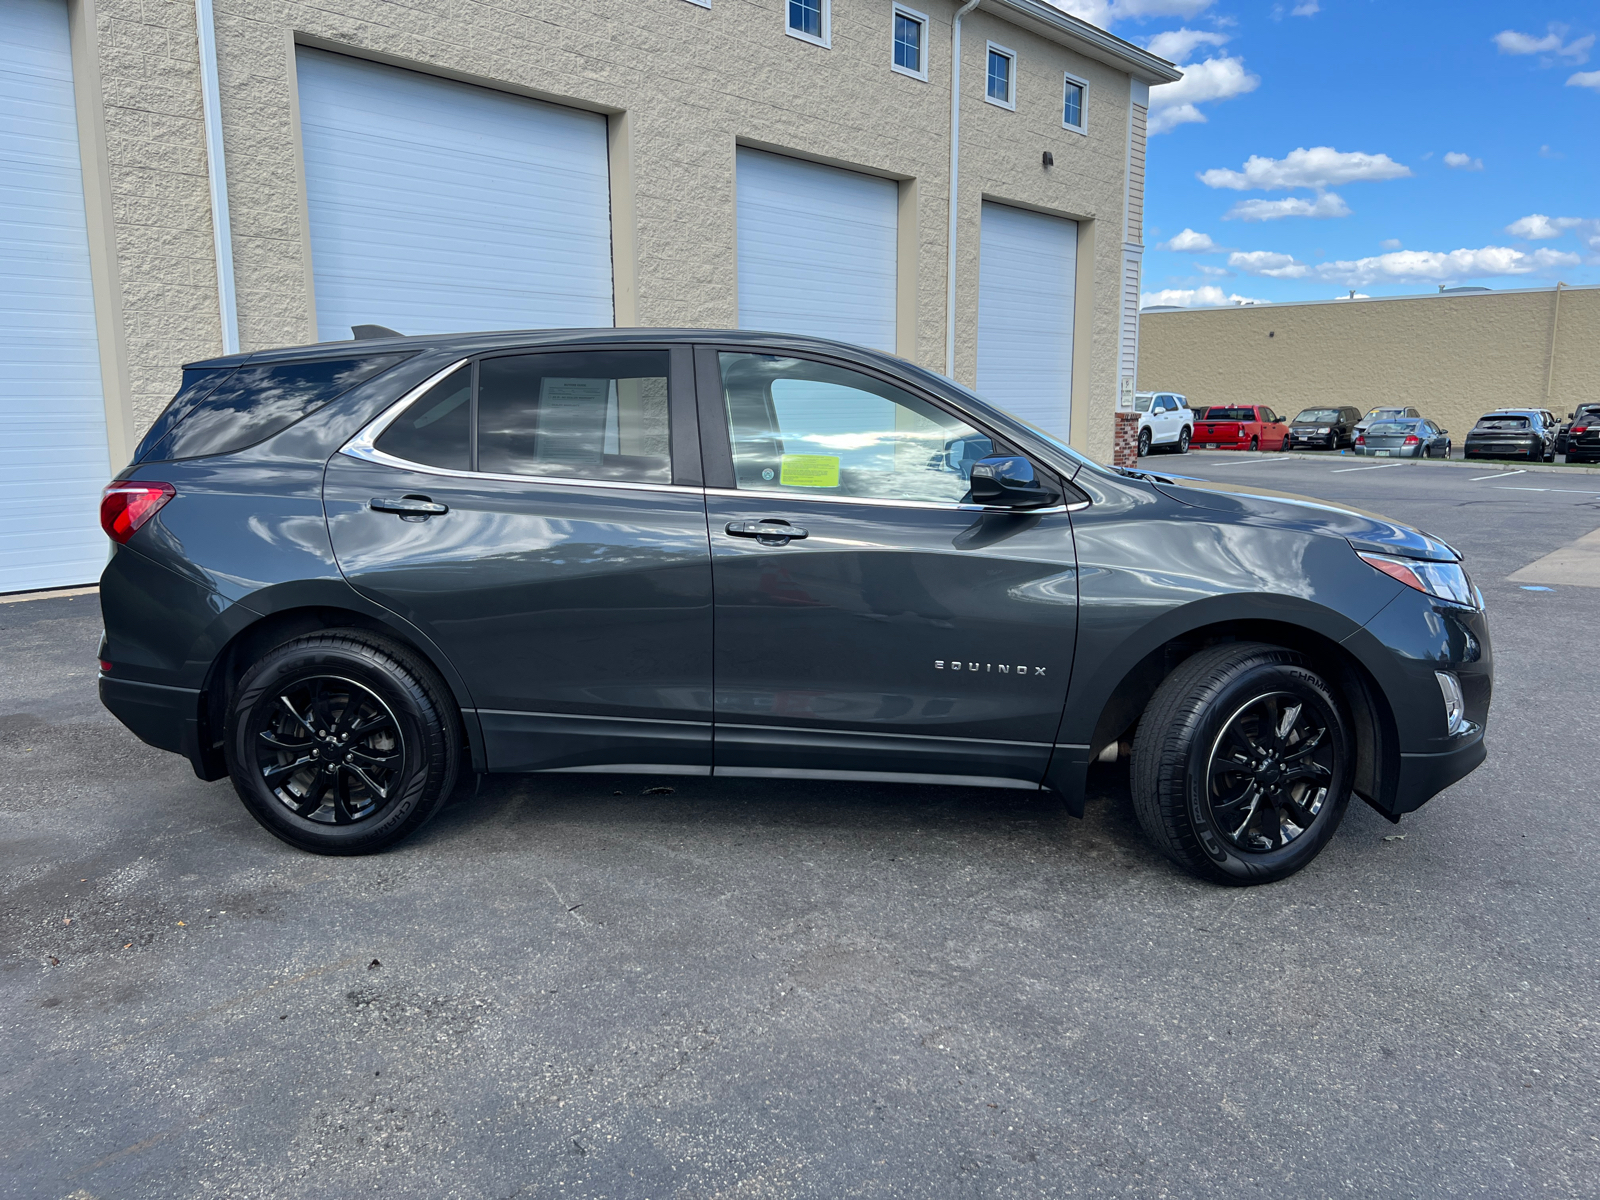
1415 437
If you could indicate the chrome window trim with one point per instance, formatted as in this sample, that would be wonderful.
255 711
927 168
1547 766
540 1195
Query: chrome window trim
363 446
939 506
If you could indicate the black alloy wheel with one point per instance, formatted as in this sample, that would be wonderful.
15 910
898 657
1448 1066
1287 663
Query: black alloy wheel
1242 764
342 742
1144 442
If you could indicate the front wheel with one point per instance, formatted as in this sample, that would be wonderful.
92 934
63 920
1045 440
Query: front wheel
1144 442
1183 442
342 743
1242 764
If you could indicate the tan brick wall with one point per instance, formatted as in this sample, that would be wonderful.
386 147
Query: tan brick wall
1453 357
695 84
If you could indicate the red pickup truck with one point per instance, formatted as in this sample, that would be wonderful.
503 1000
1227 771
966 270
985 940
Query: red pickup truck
1240 427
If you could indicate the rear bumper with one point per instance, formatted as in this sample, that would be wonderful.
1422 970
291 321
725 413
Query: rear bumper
1503 450
167 718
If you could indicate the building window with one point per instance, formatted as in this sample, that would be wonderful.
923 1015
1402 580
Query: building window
1001 85
1075 108
910 42
808 20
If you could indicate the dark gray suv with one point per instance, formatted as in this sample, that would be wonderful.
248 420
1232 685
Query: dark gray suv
346 574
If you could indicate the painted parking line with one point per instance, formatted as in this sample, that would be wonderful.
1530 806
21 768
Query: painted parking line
1502 475
1379 467
1507 487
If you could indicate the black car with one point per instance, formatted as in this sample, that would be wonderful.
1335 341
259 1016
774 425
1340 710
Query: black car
1579 438
1401 438
346 574
1522 433
1324 428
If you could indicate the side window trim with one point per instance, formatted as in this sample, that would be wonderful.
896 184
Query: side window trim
680 400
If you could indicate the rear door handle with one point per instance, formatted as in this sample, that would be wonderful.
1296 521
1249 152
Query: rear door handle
769 530
409 508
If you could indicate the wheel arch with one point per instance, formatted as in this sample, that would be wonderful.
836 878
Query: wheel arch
1371 715
272 629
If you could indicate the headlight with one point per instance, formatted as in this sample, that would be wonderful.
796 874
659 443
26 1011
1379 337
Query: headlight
1323 429
1447 581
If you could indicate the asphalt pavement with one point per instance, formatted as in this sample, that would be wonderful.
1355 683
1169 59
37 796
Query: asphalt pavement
568 986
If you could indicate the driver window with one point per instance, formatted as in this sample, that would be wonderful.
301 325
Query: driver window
810 429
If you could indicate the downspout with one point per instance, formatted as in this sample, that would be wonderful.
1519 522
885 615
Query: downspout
1555 324
217 173
955 176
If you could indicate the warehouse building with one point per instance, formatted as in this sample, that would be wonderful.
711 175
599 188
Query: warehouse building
188 179
1454 354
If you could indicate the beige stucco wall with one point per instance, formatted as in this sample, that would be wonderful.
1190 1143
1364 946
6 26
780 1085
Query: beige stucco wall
1453 357
683 89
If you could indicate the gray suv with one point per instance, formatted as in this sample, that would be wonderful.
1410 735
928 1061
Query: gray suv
346 575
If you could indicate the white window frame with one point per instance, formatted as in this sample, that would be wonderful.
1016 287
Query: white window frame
900 10
701 3
1067 81
826 40
1010 102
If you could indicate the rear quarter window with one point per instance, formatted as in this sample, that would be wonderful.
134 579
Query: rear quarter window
252 403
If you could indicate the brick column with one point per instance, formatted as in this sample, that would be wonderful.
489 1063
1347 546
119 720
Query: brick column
1125 441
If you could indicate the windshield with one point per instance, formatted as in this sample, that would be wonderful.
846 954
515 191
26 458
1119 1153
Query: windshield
1498 422
1391 428
1142 403
1317 414
1229 414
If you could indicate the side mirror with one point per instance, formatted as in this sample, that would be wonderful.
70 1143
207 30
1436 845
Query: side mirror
1009 481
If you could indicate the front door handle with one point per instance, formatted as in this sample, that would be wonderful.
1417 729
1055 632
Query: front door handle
769 532
409 508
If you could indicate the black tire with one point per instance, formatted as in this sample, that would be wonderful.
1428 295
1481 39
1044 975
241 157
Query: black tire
376 709
1203 717
1144 442
1255 443
1183 442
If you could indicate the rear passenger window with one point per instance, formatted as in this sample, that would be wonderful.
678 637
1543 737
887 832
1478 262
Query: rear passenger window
437 429
587 415
253 403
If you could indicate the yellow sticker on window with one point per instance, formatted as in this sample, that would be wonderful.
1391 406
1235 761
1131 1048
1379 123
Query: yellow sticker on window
810 470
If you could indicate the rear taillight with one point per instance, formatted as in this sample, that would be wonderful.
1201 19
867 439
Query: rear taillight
1576 429
1361 439
126 506
105 666
1413 440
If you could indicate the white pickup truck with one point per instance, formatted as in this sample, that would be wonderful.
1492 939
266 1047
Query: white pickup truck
1165 420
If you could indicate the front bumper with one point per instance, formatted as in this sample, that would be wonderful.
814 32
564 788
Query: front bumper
1424 776
1325 441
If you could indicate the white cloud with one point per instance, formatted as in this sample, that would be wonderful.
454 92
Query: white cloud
1207 296
1391 243
1215 272
1189 242
1320 167
1328 204
1174 104
1588 79
1553 42
1462 162
1352 294
1268 263
1406 266
1309 8
1175 45
1106 13
1537 228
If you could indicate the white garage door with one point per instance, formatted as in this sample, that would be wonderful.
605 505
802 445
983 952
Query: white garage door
53 456
817 250
1026 271
439 207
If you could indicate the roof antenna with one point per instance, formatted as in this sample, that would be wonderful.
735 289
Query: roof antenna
362 332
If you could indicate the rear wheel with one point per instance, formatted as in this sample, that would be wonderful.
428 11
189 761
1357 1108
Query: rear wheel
1144 442
1255 443
1242 764
342 743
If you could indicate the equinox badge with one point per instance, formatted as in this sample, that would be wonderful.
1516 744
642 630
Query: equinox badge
940 664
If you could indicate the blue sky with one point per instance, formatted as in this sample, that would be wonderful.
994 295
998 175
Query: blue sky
1320 146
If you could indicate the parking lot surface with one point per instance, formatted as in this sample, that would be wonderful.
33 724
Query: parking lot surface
566 986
